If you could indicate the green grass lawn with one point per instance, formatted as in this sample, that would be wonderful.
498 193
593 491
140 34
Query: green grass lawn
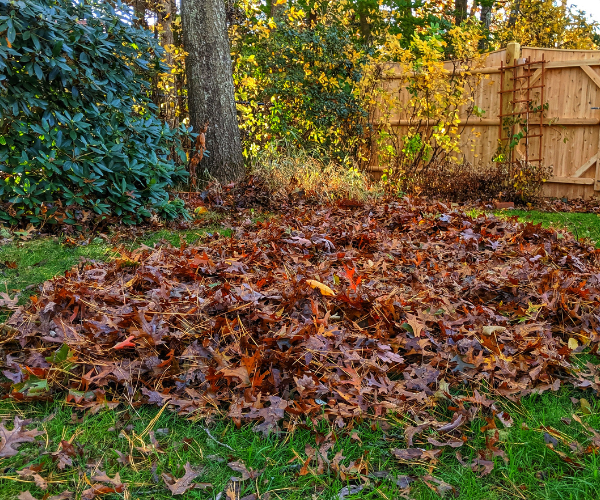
580 224
533 470
105 440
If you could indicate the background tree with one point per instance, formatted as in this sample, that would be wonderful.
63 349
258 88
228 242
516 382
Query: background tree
211 96
543 23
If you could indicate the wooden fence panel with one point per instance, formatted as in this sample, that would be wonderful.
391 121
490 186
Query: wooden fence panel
571 132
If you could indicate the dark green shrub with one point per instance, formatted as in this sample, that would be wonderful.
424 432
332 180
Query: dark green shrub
77 127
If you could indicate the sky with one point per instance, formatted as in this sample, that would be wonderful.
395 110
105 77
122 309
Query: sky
591 7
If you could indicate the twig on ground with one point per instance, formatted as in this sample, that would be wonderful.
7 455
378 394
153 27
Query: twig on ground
216 440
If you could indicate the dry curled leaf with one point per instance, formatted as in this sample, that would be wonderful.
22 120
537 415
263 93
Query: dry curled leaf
349 490
413 454
506 419
490 330
240 467
442 488
103 485
25 495
7 302
32 473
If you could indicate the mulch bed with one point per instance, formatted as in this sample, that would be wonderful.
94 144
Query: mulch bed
341 312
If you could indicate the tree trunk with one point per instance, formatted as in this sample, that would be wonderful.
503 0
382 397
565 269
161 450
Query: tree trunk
139 8
165 19
486 16
211 97
312 14
460 11
277 12
365 26
514 13
486 20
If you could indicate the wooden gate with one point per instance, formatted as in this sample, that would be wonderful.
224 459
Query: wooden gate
566 136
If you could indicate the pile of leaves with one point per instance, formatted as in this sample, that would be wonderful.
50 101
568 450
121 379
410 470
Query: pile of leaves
342 312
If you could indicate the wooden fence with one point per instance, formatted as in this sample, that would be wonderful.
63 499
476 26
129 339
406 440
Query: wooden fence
566 137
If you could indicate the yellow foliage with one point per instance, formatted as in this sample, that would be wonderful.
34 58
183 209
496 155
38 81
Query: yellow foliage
426 96
542 23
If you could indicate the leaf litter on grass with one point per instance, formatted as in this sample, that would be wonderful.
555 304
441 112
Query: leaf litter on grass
337 312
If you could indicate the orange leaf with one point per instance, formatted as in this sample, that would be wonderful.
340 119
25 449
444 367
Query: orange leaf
167 361
126 343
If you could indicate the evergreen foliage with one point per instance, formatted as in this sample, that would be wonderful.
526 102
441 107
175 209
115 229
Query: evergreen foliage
77 127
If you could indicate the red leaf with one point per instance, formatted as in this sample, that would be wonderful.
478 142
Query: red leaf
126 343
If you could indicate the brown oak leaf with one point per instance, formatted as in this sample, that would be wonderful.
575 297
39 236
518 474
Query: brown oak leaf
184 483
11 439
32 473
111 485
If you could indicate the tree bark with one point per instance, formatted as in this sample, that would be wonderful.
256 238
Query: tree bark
486 16
139 8
460 11
514 13
486 20
165 15
211 96
277 12
365 26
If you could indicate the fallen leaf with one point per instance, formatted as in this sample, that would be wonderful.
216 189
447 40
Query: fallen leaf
240 467
586 408
349 490
453 443
111 485
440 487
412 454
400 480
29 473
457 420
25 495
324 289
548 439
408 454
126 343
184 483
11 439
6 301
484 467
490 330
506 419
